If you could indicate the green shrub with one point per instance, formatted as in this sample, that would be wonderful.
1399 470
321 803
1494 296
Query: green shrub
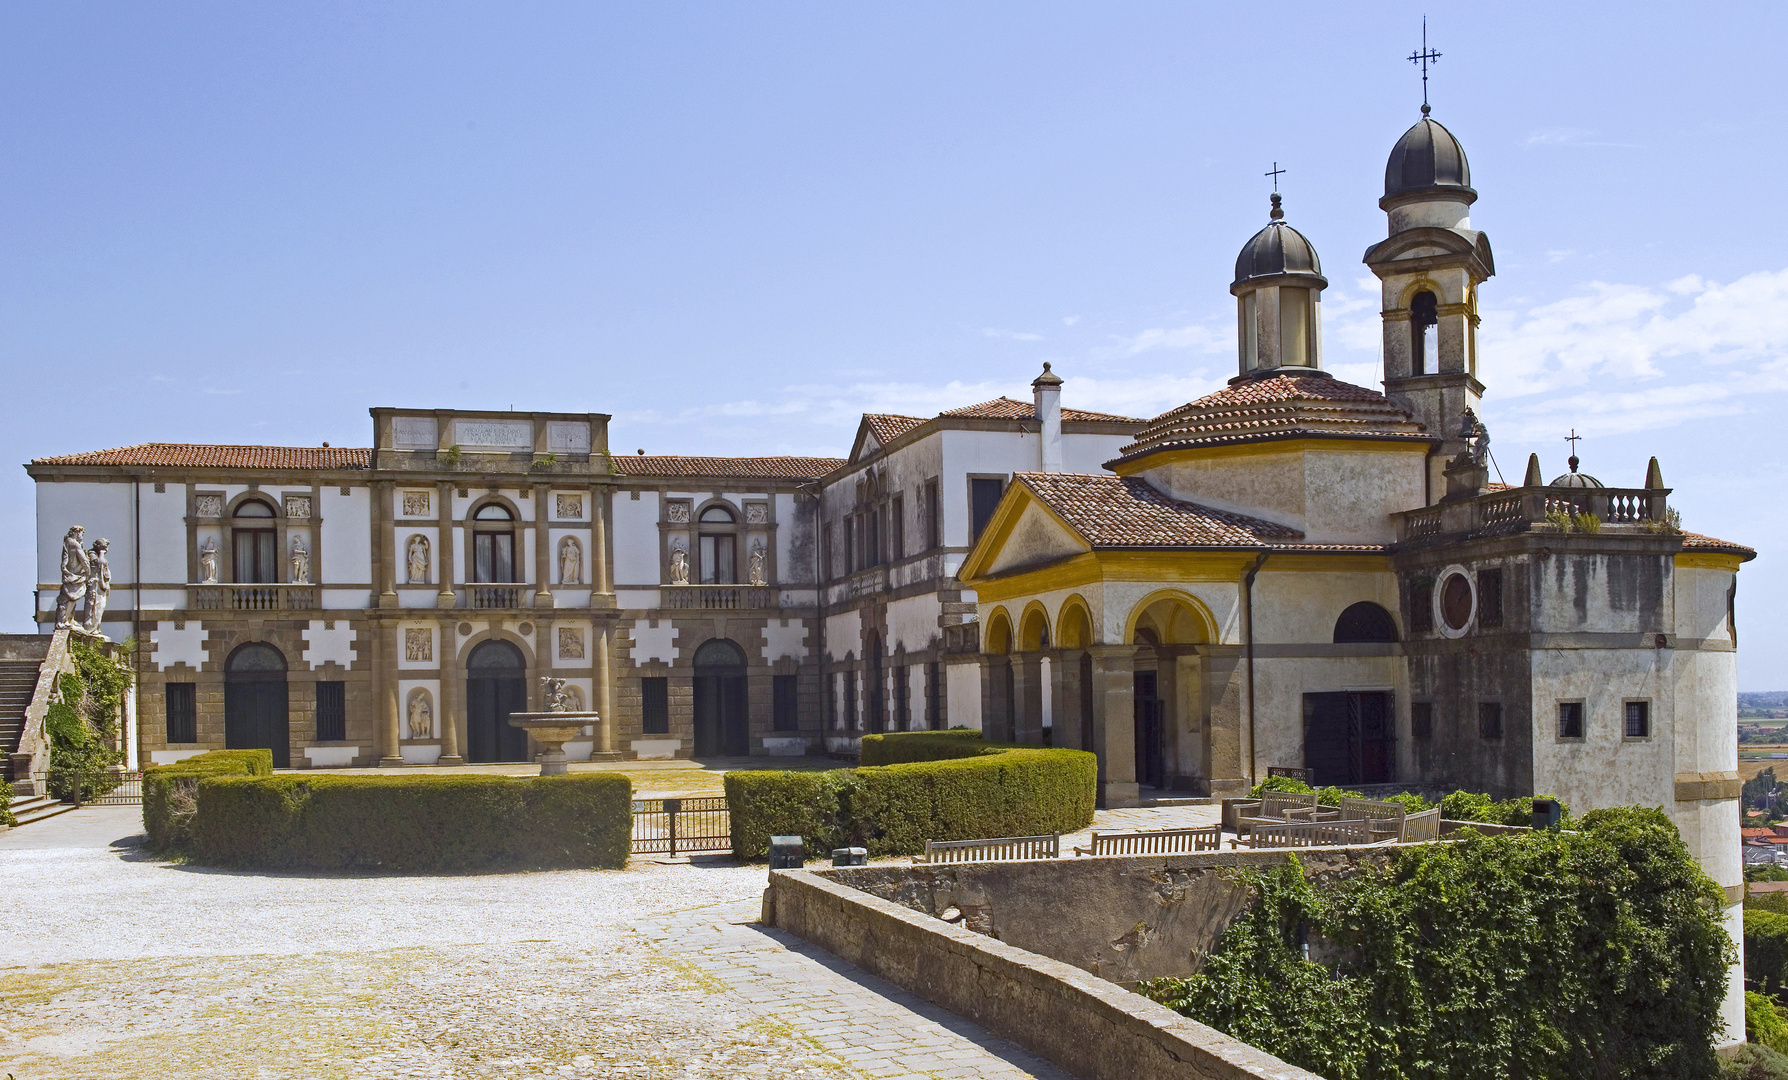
1767 901
1467 806
1765 872
1280 783
1412 804
1766 950
894 809
1754 1061
961 789
1764 1023
1596 953
899 747
1332 796
414 824
170 792
83 720
765 804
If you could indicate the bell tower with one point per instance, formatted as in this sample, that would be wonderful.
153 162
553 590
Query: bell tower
1278 293
1430 268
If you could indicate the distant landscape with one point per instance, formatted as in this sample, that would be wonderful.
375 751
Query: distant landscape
1766 705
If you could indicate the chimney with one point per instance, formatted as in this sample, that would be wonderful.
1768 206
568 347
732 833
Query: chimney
1046 390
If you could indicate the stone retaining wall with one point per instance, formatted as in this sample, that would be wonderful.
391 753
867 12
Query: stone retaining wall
1089 1026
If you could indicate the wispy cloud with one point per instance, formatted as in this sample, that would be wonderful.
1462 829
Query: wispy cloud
1196 337
1570 136
1011 335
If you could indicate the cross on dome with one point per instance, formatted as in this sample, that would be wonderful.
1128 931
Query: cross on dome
1423 57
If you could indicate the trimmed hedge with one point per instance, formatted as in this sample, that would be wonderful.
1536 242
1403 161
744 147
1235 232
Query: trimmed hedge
414 824
940 786
170 792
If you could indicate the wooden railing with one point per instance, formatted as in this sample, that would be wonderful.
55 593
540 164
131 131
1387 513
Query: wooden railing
718 597
264 597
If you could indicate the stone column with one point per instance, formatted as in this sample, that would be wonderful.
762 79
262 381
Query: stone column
543 556
1167 691
1027 695
450 694
993 697
1114 723
599 542
1064 698
1224 674
444 595
384 544
385 693
605 696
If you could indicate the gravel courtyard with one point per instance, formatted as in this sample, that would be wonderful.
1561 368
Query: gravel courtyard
120 965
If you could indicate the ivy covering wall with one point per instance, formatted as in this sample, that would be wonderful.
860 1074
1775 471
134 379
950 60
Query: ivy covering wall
1599 953
83 720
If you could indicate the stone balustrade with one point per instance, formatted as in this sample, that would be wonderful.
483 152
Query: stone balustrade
260 597
718 597
1518 509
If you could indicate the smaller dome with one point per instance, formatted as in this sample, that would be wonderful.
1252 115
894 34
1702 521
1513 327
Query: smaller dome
1428 158
1575 479
1275 250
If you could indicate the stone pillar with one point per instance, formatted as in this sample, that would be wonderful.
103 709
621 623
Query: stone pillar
599 542
450 705
1114 723
1064 698
1167 691
384 544
444 595
1224 675
1027 697
605 696
385 693
543 556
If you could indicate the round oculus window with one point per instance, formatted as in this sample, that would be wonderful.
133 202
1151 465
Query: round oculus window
1456 601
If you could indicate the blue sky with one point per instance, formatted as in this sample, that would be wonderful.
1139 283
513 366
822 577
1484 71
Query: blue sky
736 227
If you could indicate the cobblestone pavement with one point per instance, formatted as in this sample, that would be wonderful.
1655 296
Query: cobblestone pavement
119 965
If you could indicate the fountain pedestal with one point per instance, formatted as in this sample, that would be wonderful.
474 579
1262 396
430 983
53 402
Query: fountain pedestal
552 730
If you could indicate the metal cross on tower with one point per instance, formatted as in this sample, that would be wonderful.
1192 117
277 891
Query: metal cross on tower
1573 438
1423 58
1275 172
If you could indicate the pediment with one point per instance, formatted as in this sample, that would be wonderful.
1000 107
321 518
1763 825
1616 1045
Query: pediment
1036 538
867 445
1434 243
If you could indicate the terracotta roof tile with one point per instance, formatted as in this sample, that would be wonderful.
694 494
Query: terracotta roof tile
207 456
886 427
1125 512
1697 542
753 468
1277 407
1005 408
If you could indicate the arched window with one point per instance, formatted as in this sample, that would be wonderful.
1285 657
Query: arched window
1365 623
251 528
493 544
1424 333
719 547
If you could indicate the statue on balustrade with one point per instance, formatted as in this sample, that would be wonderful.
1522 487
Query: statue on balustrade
571 561
208 562
416 560
679 565
300 562
99 584
74 577
757 564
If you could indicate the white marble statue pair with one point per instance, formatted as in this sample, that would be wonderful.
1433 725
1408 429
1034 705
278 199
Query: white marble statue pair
86 577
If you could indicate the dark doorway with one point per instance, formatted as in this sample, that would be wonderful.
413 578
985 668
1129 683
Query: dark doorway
1348 739
255 711
722 711
1151 760
496 685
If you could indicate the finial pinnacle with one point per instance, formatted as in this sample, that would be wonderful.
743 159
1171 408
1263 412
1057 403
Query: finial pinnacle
1278 213
1423 58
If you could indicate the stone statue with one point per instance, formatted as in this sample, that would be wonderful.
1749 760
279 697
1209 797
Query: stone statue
99 584
422 716
416 560
300 562
74 577
679 565
1477 437
208 563
571 561
757 564
558 695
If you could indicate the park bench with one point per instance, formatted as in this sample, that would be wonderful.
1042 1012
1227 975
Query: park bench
1000 849
1294 834
1155 842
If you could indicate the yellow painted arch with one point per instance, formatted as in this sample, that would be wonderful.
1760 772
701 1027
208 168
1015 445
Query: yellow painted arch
1074 623
998 639
1033 627
1187 621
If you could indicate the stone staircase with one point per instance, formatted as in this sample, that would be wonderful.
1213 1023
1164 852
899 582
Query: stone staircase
18 678
29 808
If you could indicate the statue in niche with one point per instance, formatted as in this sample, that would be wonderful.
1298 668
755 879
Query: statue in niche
74 577
416 560
679 564
757 564
300 562
422 716
208 562
559 696
571 561
99 584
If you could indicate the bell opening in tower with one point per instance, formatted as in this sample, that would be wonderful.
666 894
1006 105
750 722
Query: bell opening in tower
1424 333
1294 327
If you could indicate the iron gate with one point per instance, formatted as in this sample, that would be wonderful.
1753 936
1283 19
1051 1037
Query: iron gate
681 826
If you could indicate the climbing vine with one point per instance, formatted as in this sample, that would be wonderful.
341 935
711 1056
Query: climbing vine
1599 953
83 722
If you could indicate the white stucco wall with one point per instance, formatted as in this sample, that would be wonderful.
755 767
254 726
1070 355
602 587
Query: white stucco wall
633 535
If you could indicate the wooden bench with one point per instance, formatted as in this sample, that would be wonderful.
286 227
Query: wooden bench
1000 849
1294 834
1155 842
1421 828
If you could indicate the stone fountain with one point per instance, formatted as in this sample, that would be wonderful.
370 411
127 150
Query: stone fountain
552 729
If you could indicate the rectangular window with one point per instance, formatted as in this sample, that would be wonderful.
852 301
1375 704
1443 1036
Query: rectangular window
1294 327
1570 719
332 712
850 699
1490 720
934 696
832 703
254 557
1490 597
903 704
850 545
1421 606
785 714
934 517
1638 720
493 556
1421 719
654 705
984 495
826 552
872 538
719 560
183 712
897 528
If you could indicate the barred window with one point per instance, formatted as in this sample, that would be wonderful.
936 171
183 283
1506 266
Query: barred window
1490 597
1570 719
1490 720
183 712
332 712
1638 720
903 699
934 696
785 714
1421 606
654 704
